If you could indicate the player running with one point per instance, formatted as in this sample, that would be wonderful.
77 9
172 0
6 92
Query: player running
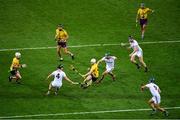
142 14
14 68
92 75
61 39
154 102
137 51
58 75
109 60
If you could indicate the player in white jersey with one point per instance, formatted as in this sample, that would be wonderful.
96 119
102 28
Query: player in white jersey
58 75
155 101
137 51
109 60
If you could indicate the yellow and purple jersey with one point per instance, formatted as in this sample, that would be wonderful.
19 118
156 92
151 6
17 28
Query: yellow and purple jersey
143 13
15 64
94 69
61 35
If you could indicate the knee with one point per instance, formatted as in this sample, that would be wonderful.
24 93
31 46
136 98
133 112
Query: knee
132 60
65 51
58 50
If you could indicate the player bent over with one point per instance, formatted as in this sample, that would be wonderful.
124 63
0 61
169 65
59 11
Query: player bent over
14 69
92 75
109 60
61 39
58 75
137 51
154 102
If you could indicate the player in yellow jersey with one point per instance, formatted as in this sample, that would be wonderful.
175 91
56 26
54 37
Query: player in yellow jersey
92 75
142 15
61 38
14 68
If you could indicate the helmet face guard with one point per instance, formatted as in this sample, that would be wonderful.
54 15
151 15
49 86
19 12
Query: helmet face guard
107 54
17 54
93 60
151 80
61 26
142 5
60 66
130 38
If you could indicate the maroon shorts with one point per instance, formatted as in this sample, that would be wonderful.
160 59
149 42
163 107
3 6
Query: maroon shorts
93 78
143 22
62 44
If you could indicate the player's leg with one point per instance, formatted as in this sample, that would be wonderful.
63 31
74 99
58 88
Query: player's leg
143 63
102 77
157 105
12 76
64 45
56 89
18 77
132 59
112 75
59 52
143 23
49 88
68 52
143 31
87 82
151 104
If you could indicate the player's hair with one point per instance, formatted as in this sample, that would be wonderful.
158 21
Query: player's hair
151 80
107 54
130 37
60 66
61 25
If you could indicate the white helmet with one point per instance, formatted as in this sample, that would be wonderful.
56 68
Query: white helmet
93 60
18 54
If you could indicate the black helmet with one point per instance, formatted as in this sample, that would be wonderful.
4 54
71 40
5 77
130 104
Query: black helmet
61 25
60 66
151 80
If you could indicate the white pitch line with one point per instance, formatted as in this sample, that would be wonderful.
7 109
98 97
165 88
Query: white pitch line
89 45
81 113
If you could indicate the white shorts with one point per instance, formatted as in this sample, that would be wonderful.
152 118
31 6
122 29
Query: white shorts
109 69
156 99
56 84
138 53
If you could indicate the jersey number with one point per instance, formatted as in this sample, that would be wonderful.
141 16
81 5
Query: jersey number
58 76
155 87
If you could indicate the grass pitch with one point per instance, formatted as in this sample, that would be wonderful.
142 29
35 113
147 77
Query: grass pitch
32 24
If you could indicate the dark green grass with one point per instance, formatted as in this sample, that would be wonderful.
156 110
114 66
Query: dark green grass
32 23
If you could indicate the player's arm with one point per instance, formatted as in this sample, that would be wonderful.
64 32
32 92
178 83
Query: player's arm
101 60
56 35
137 16
159 90
150 10
66 78
135 50
23 65
17 66
88 73
49 76
143 87
115 57
66 35
129 47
